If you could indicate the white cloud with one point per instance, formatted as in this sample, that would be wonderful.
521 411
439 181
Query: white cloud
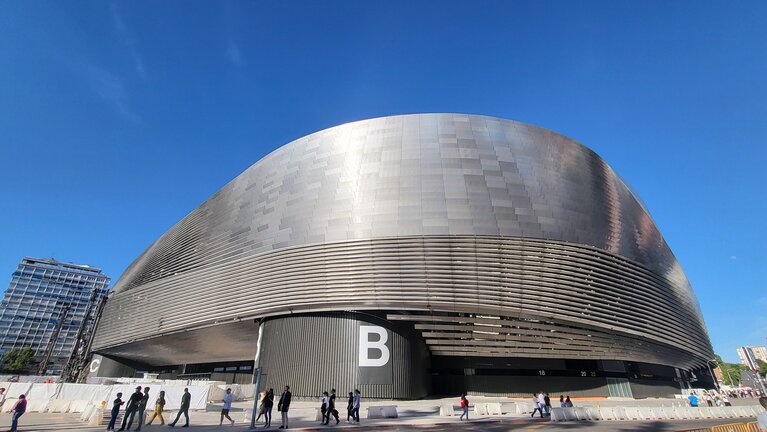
108 86
733 257
127 39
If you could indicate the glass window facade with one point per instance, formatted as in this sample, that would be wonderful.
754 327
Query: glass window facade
41 292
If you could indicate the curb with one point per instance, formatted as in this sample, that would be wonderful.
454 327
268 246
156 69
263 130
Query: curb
421 426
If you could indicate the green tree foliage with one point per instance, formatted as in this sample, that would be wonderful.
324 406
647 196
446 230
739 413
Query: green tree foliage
762 367
17 360
730 372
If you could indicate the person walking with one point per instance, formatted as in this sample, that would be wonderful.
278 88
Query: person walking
141 408
547 403
268 403
568 402
693 400
118 402
19 408
131 408
349 406
332 406
186 400
228 398
464 407
562 401
536 406
324 408
159 405
356 406
261 407
284 405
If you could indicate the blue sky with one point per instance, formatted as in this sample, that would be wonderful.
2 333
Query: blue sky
118 118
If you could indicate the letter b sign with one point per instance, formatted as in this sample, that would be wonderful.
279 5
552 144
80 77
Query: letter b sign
373 349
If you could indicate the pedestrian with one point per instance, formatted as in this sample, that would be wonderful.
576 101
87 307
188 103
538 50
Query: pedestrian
568 402
141 408
547 404
349 406
19 408
284 405
332 406
131 408
324 408
261 408
159 404
536 406
356 407
464 407
115 411
228 398
693 400
186 400
726 401
562 401
268 403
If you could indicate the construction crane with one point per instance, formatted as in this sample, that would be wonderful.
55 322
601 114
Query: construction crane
53 339
81 352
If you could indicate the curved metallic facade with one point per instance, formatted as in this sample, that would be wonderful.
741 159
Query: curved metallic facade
494 237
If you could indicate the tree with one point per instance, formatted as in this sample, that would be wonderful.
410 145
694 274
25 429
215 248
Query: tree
762 367
730 372
17 360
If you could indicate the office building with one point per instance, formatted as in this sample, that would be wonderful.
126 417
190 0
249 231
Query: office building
750 356
45 306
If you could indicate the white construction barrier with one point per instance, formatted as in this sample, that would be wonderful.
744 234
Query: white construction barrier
58 406
447 410
494 409
15 389
480 409
91 392
8 404
39 395
606 413
79 405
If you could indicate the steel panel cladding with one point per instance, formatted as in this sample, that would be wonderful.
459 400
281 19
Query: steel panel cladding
451 219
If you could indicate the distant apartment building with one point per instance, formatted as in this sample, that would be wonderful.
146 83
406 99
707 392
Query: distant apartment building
750 354
46 307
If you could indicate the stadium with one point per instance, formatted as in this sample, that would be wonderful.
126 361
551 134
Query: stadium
415 255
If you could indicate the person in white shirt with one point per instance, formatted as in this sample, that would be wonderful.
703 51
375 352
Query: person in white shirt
228 398
542 403
536 406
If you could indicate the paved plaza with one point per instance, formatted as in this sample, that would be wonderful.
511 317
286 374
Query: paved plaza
204 422
414 415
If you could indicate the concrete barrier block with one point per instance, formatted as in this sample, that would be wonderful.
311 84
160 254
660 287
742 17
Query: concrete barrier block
494 409
447 410
389 411
375 412
557 414
607 413
593 413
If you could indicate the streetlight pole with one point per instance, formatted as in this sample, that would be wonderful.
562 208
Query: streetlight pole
257 376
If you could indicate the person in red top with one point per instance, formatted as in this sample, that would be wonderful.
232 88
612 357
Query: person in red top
464 407
18 409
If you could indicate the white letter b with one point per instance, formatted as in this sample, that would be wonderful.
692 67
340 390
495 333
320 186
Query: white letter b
366 344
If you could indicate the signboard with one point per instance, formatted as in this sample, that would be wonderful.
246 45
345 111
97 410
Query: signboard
375 365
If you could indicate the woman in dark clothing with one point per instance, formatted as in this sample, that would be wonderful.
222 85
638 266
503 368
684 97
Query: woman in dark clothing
268 403
350 406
